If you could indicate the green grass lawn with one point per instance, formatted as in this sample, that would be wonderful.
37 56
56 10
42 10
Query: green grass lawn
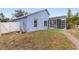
45 40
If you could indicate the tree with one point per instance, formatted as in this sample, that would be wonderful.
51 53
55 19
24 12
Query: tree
69 19
73 20
76 18
77 14
19 13
69 14
3 18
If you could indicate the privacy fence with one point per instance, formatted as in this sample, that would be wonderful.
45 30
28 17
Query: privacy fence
6 27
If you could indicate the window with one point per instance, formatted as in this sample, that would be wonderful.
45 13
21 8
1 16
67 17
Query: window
45 23
35 23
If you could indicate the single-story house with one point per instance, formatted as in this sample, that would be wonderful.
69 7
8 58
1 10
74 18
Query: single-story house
40 21
35 21
58 22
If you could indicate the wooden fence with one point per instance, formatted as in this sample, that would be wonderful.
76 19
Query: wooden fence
6 27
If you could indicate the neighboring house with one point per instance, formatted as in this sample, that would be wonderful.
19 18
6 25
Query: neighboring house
34 21
58 22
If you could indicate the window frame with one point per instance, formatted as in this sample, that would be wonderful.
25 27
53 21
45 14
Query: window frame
35 23
45 23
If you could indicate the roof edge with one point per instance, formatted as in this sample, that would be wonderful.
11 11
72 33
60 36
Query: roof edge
31 14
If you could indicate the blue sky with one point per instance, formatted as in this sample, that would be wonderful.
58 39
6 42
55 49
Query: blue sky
53 11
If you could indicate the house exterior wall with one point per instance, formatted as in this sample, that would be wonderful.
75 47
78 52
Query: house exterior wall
23 24
40 17
27 23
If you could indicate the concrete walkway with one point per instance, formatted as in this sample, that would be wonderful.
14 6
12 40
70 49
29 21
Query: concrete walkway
73 39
